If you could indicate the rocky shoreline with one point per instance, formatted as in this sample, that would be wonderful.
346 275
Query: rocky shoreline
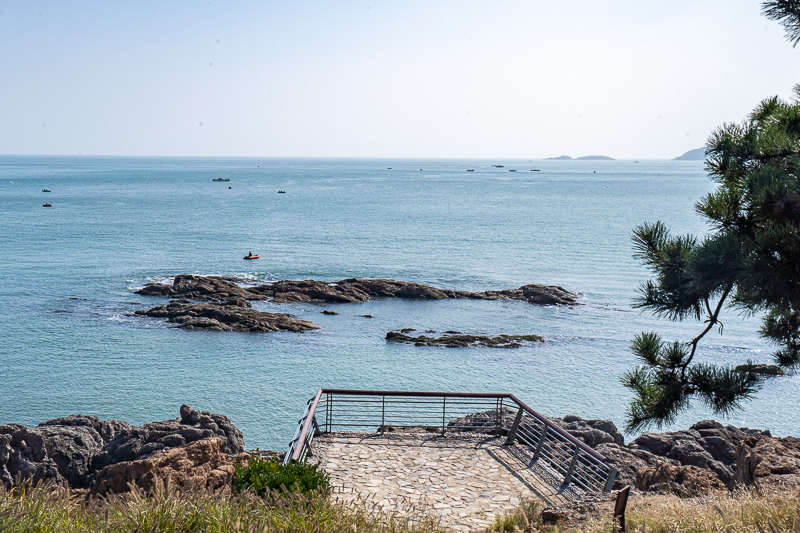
198 450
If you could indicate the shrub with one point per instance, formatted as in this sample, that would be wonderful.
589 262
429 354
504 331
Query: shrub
264 475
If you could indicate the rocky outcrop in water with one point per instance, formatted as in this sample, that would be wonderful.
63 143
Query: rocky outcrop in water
230 315
460 340
353 290
74 449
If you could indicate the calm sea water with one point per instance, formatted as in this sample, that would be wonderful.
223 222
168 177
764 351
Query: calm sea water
68 274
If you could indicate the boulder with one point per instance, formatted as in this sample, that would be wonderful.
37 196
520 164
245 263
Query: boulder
201 464
707 444
768 462
628 461
74 448
592 432
684 481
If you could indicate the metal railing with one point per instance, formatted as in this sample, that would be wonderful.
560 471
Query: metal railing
547 445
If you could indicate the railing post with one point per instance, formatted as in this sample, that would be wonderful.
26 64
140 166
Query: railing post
383 412
512 433
539 445
612 475
444 407
571 469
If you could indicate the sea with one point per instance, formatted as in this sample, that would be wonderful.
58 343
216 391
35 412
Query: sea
69 342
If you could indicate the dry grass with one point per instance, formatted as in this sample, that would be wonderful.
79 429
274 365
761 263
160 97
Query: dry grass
739 512
54 509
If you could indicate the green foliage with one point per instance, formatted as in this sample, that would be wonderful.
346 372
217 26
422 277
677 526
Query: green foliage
787 12
750 261
265 475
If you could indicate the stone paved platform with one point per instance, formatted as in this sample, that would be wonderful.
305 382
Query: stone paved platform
466 478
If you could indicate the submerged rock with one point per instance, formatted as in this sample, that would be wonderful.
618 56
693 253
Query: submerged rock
352 290
460 340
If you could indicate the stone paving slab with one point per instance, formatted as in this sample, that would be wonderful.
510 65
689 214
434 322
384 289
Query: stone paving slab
467 479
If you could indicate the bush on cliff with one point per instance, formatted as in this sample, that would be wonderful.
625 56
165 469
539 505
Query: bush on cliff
265 475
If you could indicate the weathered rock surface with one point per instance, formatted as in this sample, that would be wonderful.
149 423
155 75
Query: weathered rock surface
350 290
201 464
684 481
768 462
707 444
73 449
231 315
628 461
461 340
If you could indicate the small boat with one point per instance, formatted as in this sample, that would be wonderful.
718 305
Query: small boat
470 170
534 170
221 179
46 190
252 256
497 166
511 170
229 187
281 192
47 205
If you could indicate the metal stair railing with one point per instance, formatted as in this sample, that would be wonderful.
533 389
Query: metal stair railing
549 446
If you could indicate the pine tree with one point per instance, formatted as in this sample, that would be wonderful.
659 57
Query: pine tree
749 262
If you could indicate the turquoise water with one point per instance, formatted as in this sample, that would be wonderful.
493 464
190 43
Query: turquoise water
68 276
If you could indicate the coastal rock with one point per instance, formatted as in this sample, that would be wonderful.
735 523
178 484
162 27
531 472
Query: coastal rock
351 290
761 369
592 432
768 462
707 444
683 481
74 448
459 340
628 461
201 464
233 315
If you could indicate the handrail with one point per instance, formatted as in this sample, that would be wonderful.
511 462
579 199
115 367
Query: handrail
300 446
561 431
303 432
428 394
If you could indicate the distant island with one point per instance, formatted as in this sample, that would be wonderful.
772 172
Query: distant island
698 154
583 158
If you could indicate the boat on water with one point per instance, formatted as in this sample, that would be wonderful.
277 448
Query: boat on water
534 170
252 256
221 179
511 170
47 205
46 190
281 192
470 170
497 166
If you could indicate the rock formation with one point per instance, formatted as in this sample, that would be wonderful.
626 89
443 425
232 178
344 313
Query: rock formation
75 448
684 481
201 464
215 288
460 340
230 315
768 462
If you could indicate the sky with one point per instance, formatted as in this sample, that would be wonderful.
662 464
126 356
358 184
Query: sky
395 79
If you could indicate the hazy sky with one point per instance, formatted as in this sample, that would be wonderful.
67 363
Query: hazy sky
371 78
